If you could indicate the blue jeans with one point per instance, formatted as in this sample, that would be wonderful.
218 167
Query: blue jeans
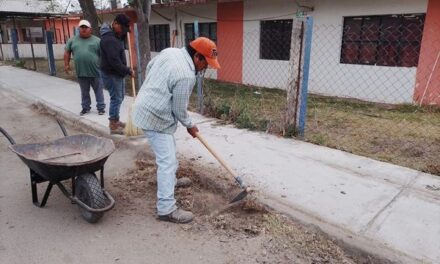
84 84
116 88
164 148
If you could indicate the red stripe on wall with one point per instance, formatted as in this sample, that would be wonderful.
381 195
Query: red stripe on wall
230 41
427 89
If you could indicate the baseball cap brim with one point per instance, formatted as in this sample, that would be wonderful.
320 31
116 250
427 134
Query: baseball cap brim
84 23
213 63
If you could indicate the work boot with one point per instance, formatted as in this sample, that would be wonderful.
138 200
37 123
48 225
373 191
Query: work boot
120 124
183 182
84 111
179 216
115 128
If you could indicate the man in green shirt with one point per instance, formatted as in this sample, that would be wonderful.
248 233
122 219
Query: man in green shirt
85 48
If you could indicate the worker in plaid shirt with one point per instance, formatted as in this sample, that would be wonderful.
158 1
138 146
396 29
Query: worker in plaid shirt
162 102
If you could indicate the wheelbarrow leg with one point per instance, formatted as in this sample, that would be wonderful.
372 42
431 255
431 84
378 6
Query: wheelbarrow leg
34 182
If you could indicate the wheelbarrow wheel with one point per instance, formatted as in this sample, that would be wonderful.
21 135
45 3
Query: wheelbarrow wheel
89 191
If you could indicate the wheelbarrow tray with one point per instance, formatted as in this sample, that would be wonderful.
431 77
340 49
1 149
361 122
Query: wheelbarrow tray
66 157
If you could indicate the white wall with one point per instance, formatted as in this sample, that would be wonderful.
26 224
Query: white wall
24 51
207 11
327 75
373 83
266 73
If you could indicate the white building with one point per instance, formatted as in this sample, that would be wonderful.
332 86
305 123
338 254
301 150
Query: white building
253 38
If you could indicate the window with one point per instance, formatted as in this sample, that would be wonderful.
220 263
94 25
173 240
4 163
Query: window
275 39
392 40
159 37
35 32
208 30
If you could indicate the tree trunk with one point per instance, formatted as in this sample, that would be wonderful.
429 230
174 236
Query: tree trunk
113 4
143 9
89 12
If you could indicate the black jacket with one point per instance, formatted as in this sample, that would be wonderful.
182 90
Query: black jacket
113 60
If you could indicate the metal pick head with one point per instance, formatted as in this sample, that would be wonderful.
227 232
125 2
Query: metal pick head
241 195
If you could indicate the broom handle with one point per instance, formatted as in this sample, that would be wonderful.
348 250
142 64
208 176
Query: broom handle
131 65
214 153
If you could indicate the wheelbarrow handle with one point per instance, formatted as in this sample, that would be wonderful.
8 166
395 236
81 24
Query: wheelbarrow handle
7 136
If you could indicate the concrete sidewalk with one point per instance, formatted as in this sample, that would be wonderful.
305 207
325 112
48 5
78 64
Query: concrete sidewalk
379 207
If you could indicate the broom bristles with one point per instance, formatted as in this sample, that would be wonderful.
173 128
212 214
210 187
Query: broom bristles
130 129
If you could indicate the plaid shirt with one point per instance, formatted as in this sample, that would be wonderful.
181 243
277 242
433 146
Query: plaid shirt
164 95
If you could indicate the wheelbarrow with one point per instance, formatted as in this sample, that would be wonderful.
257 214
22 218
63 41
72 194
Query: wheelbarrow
75 157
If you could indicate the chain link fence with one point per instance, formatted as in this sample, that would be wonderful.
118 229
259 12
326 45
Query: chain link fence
373 86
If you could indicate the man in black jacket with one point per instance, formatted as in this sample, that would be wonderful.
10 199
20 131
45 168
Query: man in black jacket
114 67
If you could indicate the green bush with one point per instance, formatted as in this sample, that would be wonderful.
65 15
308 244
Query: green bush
19 63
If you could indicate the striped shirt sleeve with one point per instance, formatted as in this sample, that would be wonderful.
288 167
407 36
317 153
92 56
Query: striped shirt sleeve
181 93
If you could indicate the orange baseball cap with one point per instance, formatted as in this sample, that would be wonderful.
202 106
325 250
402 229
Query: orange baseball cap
208 49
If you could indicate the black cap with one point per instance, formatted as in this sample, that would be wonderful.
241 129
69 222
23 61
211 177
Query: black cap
124 21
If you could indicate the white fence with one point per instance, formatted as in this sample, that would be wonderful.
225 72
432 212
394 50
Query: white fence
25 51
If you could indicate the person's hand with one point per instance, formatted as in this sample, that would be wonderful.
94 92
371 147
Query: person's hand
132 73
67 69
193 131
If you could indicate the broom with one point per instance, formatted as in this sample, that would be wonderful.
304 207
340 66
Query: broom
130 129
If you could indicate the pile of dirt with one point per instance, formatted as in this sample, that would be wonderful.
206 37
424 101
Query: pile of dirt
207 200
282 240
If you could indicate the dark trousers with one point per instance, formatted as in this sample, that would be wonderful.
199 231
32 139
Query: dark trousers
116 88
84 84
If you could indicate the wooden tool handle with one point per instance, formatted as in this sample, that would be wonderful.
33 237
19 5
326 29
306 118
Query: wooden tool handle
210 149
133 87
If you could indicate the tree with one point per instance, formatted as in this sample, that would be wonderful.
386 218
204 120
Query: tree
143 9
113 4
89 13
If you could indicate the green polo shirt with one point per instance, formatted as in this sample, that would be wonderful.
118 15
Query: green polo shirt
85 54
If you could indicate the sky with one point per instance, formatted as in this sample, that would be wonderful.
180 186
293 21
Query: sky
74 4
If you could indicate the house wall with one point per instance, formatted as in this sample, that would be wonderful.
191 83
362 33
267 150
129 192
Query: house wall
428 72
64 28
230 27
373 83
327 75
176 18
266 73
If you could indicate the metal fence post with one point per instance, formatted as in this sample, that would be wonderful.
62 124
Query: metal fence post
14 37
199 76
50 55
32 49
1 51
305 79
138 56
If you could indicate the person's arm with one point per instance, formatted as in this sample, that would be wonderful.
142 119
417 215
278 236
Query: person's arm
112 55
67 68
181 93
67 55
